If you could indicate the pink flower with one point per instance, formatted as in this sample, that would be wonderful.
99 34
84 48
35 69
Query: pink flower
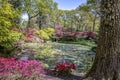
26 68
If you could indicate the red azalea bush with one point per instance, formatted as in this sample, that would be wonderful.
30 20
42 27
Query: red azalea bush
11 69
64 68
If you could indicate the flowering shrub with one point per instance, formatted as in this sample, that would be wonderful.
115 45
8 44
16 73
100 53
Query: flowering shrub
85 35
30 34
11 69
91 34
64 68
78 34
72 34
59 31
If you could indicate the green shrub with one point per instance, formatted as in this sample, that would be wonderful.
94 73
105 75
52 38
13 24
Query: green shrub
46 33
49 31
8 37
7 15
45 52
42 34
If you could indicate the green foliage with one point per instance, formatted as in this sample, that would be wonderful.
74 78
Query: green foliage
42 34
7 37
82 42
45 52
7 14
49 31
46 33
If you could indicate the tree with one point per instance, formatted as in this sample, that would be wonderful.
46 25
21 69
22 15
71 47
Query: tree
94 8
40 10
17 5
53 11
7 14
106 65
31 9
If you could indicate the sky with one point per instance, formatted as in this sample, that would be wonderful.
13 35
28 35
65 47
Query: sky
69 4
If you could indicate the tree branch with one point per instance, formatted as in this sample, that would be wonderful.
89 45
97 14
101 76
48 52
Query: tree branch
34 15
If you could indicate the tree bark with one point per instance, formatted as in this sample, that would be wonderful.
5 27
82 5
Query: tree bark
94 22
40 20
106 65
29 19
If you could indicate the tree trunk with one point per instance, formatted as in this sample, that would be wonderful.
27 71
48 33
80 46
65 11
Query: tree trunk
28 24
40 20
29 19
106 65
94 22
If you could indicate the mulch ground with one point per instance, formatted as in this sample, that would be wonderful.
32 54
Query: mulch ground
52 76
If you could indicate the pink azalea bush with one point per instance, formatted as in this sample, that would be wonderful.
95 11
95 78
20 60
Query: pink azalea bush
21 70
30 34
59 30
72 34
85 35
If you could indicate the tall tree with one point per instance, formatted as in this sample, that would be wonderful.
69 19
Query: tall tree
31 9
106 65
94 8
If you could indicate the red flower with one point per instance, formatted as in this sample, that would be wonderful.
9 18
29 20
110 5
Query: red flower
64 68
73 66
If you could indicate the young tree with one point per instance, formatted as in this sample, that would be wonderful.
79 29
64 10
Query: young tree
106 65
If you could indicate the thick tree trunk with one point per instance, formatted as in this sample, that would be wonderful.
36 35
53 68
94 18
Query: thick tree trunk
106 65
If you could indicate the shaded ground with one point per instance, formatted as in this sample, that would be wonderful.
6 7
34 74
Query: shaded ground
52 77
79 54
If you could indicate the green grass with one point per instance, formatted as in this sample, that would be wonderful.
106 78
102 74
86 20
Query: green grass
81 42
